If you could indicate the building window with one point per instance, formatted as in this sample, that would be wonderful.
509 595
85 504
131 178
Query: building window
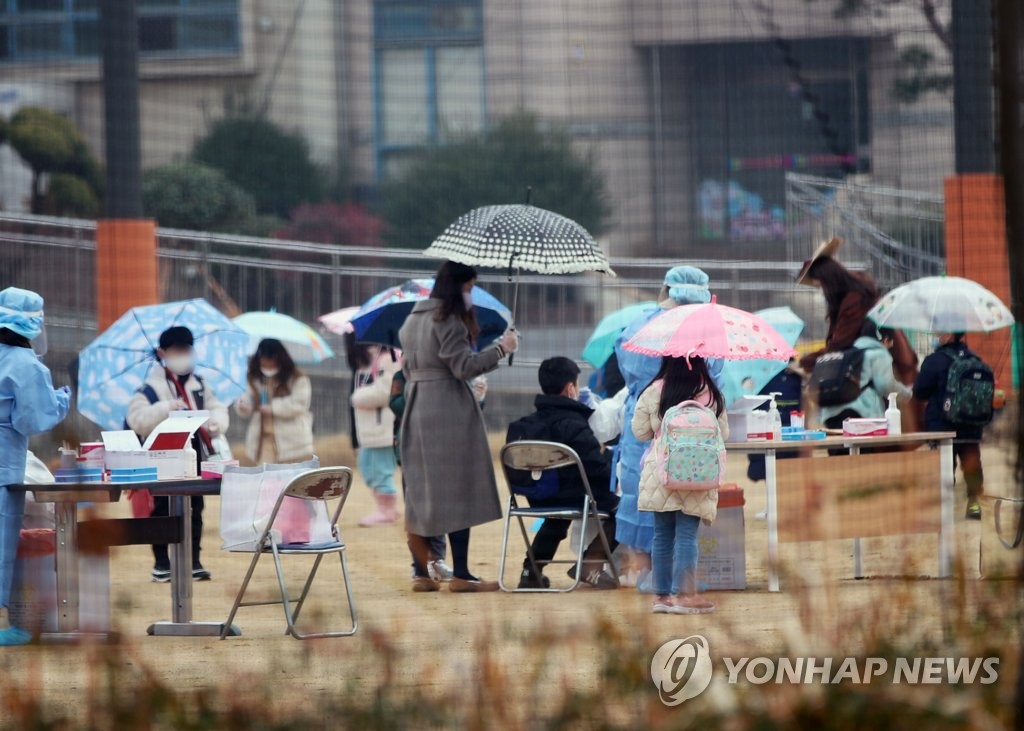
53 30
754 122
429 80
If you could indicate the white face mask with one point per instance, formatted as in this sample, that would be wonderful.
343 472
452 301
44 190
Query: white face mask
179 365
467 300
269 372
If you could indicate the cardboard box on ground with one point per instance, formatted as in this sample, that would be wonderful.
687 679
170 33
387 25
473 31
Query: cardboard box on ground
722 563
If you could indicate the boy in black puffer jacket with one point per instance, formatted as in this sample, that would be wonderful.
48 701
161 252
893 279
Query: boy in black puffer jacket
560 417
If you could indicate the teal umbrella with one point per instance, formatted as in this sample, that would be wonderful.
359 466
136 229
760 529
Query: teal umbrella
748 377
601 344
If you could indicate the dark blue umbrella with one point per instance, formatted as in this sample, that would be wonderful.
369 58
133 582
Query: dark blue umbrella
381 316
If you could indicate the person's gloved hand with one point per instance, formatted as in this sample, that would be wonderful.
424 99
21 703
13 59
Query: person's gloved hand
587 398
213 428
509 341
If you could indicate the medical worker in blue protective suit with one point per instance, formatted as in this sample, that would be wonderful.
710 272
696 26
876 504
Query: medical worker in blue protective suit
29 404
683 285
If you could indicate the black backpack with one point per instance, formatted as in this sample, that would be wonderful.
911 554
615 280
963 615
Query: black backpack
836 376
970 386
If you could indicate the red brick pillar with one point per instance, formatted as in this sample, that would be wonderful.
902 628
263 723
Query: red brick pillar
126 273
976 249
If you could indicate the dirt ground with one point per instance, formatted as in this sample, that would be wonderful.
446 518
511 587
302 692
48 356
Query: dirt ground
435 640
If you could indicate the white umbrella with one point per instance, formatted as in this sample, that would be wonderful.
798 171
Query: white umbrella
941 304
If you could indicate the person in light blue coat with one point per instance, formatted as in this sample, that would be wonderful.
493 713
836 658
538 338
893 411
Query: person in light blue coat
683 285
877 380
29 404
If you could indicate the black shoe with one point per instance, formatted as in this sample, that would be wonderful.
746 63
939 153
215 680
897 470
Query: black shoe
160 575
598 578
530 580
200 574
973 510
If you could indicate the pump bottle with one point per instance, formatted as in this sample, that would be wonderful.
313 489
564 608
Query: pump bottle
893 421
774 417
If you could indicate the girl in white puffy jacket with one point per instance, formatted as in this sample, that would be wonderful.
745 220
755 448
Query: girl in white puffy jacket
677 514
375 426
278 401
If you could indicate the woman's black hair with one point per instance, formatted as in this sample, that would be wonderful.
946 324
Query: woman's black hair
275 350
357 354
837 281
448 283
9 337
684 380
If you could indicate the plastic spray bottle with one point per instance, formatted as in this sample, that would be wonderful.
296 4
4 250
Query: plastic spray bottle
774 417
893 422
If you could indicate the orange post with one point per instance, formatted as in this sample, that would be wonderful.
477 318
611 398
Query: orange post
126 272
976 249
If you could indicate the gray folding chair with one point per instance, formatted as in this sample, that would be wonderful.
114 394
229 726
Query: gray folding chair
324 484
535 457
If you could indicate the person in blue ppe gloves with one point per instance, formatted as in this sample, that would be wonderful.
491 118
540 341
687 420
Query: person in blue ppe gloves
29 404
683 285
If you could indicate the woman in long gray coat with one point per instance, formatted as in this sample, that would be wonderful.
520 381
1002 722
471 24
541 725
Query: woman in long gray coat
446 460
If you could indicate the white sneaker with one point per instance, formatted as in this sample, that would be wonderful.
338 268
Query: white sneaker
440 571
763 515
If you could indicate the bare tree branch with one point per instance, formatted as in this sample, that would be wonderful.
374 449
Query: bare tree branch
931 15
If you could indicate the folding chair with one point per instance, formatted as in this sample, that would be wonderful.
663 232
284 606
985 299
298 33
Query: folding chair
535 457
1018 531
324 484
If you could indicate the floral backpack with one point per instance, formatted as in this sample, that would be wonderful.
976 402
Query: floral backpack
688 450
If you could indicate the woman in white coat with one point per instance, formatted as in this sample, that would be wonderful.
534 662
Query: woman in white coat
278 402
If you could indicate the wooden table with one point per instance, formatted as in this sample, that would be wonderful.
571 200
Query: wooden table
99 535
888 476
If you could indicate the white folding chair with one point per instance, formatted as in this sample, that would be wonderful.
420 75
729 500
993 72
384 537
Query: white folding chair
534 457
324 484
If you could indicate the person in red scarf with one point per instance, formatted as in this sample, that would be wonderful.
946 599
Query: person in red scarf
175 387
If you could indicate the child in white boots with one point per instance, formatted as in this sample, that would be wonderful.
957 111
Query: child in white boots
374 425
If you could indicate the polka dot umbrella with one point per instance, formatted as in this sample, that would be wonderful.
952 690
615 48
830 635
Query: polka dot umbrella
523 237
520 237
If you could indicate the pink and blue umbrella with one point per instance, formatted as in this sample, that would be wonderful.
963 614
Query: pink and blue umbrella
381 317
748 377
710 330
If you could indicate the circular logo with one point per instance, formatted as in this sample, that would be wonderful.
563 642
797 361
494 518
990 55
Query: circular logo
681 669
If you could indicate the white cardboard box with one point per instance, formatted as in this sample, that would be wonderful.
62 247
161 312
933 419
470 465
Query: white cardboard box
745 423
722 564
168 447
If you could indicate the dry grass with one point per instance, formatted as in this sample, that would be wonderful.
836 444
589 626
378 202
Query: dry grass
503 661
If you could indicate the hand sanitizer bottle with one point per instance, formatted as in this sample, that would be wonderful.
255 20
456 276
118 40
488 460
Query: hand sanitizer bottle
774 417
893 422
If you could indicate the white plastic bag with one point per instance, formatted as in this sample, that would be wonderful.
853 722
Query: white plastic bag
607 420
247 497
37 515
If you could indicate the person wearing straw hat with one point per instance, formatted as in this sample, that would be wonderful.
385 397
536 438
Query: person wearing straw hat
848 298
682 285
29 404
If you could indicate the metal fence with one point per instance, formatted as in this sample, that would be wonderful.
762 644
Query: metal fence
55 256
899 232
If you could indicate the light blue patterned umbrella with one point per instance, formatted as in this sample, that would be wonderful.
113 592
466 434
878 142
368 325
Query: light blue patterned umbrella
114 365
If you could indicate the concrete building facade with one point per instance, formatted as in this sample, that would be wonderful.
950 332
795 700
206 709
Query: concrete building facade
693 109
